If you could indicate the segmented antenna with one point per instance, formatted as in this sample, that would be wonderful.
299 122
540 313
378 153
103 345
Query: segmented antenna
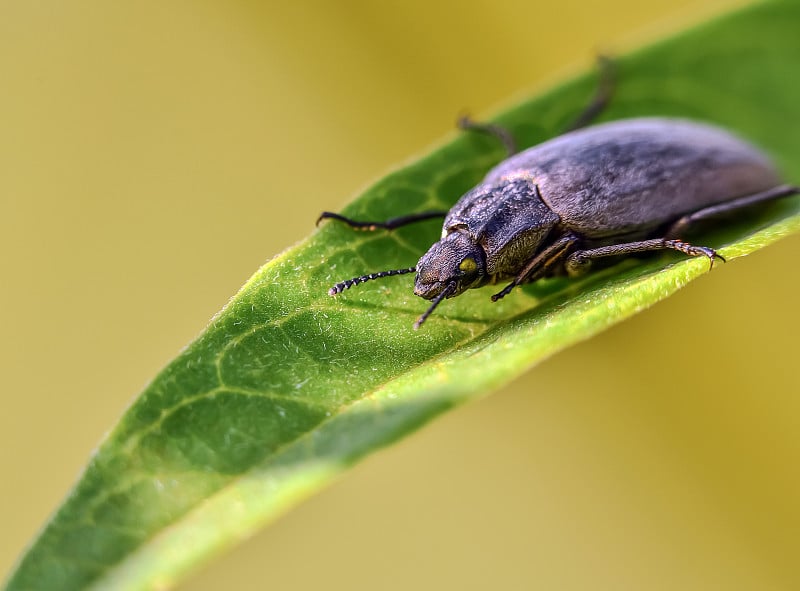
340 287
451 287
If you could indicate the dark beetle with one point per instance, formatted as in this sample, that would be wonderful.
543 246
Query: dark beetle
624 187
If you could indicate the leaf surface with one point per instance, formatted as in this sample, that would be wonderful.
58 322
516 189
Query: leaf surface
287 387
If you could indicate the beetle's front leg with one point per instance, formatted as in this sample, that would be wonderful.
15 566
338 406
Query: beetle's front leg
578 262
541 264
390 224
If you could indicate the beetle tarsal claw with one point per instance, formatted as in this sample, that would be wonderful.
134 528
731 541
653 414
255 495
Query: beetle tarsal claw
506 290
712 256
696 251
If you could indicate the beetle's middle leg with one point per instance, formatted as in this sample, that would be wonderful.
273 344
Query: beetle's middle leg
541 264
578 262
600 100
501 133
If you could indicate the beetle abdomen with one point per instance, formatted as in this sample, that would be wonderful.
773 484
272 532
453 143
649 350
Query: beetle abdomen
631 176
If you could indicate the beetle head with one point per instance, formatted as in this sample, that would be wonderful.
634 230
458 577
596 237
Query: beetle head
450 267
454 264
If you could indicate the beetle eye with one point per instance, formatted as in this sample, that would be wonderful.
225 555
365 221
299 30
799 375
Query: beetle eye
468 265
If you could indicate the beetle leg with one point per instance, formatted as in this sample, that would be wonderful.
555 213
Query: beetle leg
451 287
540 264
600 100
390 224
501 133
602 95
578 261
684 223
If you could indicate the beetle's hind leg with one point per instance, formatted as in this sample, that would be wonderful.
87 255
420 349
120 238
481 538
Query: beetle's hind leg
602 95
686 223
578 262
390 224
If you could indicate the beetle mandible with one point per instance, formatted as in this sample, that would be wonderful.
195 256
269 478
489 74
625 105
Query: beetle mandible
628 186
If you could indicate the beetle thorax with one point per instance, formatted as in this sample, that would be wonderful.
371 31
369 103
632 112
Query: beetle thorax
507 218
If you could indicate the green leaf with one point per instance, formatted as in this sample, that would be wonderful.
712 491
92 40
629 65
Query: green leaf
287 387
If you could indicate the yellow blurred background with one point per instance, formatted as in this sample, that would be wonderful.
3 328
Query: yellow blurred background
153 155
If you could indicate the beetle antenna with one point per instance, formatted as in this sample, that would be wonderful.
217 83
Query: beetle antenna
340 287
451 287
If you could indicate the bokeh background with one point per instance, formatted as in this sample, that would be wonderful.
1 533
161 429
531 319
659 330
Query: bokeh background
153 155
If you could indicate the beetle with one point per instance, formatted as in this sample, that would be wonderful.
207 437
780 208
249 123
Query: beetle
618 188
